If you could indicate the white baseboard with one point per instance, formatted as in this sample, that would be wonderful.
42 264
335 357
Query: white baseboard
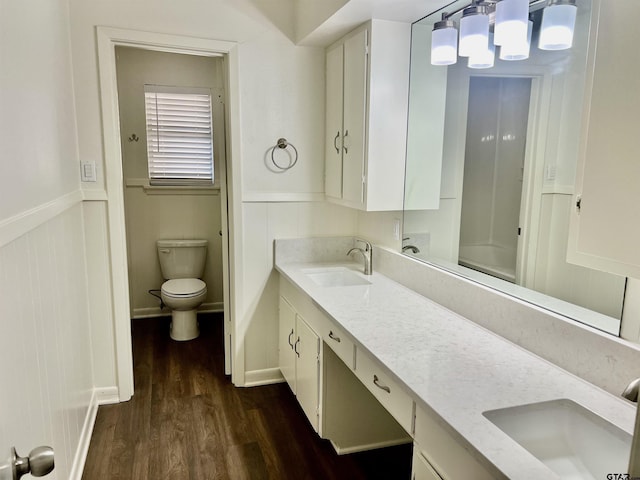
149 312
107 395
266 376
80 457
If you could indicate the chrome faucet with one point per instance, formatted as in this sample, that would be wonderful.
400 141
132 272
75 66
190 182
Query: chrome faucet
413 248
367 254
631 393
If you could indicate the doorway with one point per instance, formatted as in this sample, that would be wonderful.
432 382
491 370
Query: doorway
494 166
108 40
179 207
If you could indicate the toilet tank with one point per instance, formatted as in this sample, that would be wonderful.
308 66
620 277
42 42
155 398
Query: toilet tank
182 258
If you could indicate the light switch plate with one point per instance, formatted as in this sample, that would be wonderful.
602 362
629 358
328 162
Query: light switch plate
88 171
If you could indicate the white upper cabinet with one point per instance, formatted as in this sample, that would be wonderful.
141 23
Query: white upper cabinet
604 230
366 116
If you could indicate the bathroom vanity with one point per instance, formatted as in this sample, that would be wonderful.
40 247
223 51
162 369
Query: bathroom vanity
453 388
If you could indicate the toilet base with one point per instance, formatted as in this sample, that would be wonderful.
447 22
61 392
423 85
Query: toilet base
184 325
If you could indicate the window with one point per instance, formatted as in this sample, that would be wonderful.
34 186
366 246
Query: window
179 135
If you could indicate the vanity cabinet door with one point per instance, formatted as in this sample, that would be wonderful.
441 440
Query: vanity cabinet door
446 454
604 231
307 350
355 91
299 360
286 354
333 122
346 88
367 81
421 469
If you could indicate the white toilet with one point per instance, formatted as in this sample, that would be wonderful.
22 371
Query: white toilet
182 264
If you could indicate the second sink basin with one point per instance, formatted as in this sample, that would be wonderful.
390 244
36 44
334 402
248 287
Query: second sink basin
335 277
569 439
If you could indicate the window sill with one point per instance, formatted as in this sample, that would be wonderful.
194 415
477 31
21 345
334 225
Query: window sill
172 189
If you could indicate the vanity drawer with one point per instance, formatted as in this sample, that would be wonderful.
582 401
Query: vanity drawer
446 454
339 342
388 392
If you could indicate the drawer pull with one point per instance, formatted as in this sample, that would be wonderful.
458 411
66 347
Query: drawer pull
376 382
295 347
332 336
290 335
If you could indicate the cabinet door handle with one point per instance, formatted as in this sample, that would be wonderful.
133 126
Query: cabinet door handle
344 143
335 145
332 336
376 382
289 340
295 347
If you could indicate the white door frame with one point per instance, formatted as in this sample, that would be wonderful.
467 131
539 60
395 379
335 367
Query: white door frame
108 38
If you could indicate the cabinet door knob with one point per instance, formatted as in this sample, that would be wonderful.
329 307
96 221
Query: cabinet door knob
376 382
335 145
332 336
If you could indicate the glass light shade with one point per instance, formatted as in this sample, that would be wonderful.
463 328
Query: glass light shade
517 51
483 58
512 20
474 33
558 22
444 46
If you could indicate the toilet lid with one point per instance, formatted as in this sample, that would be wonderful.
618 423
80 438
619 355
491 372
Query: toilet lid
183 287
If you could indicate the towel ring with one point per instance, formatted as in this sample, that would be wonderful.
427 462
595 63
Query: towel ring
283 144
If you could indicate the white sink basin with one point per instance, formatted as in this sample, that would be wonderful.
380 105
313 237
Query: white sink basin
335 277
569 439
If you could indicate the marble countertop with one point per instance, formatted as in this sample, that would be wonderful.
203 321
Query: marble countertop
452 365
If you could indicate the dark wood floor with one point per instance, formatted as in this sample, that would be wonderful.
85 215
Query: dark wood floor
187 421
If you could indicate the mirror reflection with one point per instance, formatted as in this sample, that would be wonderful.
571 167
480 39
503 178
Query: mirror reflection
491 162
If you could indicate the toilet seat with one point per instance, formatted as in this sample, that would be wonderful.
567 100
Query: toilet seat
183 287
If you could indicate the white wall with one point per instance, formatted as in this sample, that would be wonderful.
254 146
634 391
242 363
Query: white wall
45 346
264 222
37 129
158 213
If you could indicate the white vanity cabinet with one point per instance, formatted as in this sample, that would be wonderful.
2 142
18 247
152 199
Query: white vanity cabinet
604 230
421 468
316 358
299 359
367 80
437 454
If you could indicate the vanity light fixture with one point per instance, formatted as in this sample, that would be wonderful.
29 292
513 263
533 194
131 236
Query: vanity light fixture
474 30
558 23
510 26
512 19
517 51
483 58
444 42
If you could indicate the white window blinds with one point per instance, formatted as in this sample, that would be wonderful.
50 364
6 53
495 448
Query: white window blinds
179 136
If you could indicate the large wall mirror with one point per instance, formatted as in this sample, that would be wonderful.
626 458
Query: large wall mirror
491 163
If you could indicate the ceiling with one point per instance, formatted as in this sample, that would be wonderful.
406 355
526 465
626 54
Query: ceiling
356 12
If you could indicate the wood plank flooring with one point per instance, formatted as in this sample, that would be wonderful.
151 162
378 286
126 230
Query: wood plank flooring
187 421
